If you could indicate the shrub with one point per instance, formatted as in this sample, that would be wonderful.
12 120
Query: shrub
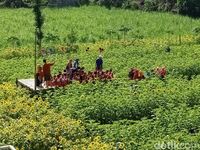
72 37
84 2
14 41
131 4
150 5
51 38
189 7
30 123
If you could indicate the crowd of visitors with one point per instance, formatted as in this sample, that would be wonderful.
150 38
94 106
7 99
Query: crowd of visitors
64 78
73 72
136 74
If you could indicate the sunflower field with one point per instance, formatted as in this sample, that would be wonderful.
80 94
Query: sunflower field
121 114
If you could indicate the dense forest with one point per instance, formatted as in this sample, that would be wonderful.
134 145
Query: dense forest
185 7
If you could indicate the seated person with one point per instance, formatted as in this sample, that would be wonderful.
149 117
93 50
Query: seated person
69 66
161 72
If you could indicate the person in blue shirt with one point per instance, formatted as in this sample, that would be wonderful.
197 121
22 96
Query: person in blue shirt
99 63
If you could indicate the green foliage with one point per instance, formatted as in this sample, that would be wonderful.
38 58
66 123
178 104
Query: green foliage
72 37
189 7
131 4
71 40
196 30
84 2
124 30
111 3
150 5
51 38
142 24
39 21
120 113
110 32
14 41
30 123
186 7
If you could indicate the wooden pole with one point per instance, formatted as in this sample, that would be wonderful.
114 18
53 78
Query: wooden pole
35 61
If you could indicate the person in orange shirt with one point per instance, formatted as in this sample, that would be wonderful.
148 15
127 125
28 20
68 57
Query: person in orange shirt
141 75
39 76
47 72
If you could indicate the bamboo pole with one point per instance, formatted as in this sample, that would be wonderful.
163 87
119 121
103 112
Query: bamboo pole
35 61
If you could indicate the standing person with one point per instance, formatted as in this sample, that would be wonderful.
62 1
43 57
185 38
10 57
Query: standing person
99 63
75 68
76 64
47 72
39 76
69 65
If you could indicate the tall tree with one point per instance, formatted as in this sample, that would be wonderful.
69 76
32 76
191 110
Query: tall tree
39 21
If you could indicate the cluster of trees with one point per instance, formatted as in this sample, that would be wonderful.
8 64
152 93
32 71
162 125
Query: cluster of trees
186 7
30 3
14 3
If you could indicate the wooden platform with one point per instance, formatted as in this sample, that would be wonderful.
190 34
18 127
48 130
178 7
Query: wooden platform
29 84
7 147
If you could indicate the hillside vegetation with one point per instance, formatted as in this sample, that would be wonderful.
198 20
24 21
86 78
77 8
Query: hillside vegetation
184 7
136 115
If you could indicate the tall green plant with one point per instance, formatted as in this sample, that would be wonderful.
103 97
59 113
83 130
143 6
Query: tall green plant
110 32
14 41
124 30
39 21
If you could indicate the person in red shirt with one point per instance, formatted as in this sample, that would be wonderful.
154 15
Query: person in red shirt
53 82
135 74
47 72
163 72
110 74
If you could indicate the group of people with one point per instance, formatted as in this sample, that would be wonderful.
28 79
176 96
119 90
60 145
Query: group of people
136 74
73 71
43 74
80 75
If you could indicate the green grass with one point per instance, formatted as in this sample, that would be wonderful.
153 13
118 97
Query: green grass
92 23
140 117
